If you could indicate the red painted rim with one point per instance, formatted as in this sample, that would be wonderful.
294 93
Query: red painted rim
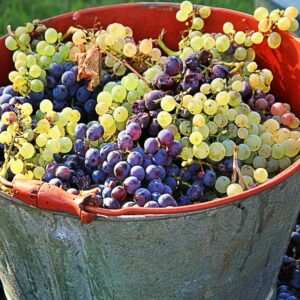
134 211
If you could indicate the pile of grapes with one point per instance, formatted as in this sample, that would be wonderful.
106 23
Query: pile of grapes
147 126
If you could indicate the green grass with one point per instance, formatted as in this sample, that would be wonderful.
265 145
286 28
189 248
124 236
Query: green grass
18 12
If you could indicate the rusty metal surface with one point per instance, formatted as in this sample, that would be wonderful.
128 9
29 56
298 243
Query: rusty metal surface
231 252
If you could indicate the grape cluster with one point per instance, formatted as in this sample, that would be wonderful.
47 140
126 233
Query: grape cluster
103 110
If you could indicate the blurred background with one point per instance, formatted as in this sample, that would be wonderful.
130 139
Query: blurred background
17 12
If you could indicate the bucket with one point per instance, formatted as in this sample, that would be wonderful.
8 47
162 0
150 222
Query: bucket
229 248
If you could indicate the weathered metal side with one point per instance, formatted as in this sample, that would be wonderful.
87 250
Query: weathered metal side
230 252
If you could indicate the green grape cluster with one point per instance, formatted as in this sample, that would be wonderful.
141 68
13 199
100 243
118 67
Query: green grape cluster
35 48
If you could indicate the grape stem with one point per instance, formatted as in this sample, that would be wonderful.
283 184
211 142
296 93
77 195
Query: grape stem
163 46
196 162
127 65
236 169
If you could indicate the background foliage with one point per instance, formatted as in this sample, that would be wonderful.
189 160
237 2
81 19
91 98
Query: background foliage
18 12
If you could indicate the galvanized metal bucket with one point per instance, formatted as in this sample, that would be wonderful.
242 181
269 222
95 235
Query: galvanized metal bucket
229 248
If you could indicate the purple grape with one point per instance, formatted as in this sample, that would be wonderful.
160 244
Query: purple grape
247 91
56 182
105 150
151 145
95 132
111 203
175 149
82 94
209 179
195 193
166 137
121 170
164 82
99 176
141 196
5 98
114 157
151 98
166 200
160 157
204 57
68 66
107 168
47 177
51 167
131 184
125 142
147 162
162 172
135 158
173 66
152 172
156 186
192 62
73 191
152 204
192 81
129 204
92 158
154 127
220 71
271 99
68 78
111 182
261 104
106 192
167 190
56 70
60 92
140 150
171 182
80 130
155 196
138 172
89 106
134 130
230 50
119 193
172 171
184 200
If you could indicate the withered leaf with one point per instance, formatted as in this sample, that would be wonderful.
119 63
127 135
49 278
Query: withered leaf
89 66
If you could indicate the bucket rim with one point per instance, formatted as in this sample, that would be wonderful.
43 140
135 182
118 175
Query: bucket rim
134 213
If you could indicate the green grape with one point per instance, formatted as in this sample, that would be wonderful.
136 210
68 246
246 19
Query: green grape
105 97
291 147
185 141
222 184
195 106
130 82
102 108
38 172
204 130
228 28
71 128
152 72
168 103
249 160
217 85
272 165
217 151
242 133
243 108
5 137
205 88
120 114
57 58
254 117
210 107
248 180
129 49
284 163
145 46
231 114
237 86
198 120
221 120
26 109
247 170
133 96
265 150
209 43
46 106
16 166
119 69
241 120
274 40
240 53
47 155
197 24
36 85
234 189
27 150
35 71
277 151
201 151
261 175
267 138
213 128
223 98
235 98
253 141
281 135
24 38
164 119
222 43
284 23
259 162
232 131
240 37
185 127
41 139
196 138
187 153
257 38
229 147
11 44
244 152
66 144
64 51
53 145
54 132
118 93
271 125
196 43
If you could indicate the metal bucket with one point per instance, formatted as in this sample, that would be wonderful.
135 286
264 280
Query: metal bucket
229 248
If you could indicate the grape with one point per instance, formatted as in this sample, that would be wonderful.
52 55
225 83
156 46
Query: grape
181 16
46 106
222 43
234 189
36 85
271 125
228 28
38 172
284 23
145 46
164 119
197 24
260 13
257 38
51 35
229 147
240 37
274 40
11 44
294 25
186 7
120 114
210 107
217 151
27 109
196 138
168 103
16 166
222 98
291 147
261 175
277 151
244 152
27 150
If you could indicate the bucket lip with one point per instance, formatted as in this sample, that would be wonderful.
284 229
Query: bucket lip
140 213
